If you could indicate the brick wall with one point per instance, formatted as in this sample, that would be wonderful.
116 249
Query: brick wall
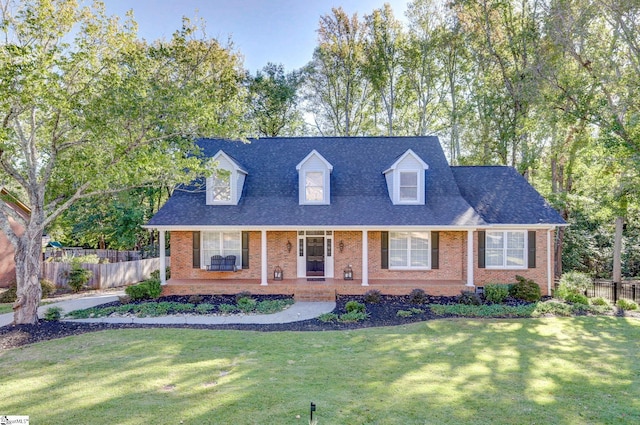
277 254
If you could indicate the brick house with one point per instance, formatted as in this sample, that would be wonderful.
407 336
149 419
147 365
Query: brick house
389 211
7 253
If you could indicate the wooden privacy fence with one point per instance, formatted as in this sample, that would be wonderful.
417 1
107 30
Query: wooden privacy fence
109 275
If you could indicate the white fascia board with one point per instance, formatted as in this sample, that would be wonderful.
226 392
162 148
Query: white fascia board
316 153
237 166
424 165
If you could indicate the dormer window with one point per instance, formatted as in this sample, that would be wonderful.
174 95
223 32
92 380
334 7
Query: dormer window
224 187
406 179
314 180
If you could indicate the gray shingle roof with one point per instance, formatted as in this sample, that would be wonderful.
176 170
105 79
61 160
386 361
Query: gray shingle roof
359 194
502 196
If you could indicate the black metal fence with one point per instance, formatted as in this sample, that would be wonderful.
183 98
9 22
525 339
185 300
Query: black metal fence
613 292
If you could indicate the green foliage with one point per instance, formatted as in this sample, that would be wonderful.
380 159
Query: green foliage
417 296
205 308
227 308
328 317
10 295
243 294
273 306
247 304
148 289
623 304
599 301
525 289
354 316
486 310
53 314
156 274
355 306
48 288
78 277
496 293
574 298
469 298
372 296
410 312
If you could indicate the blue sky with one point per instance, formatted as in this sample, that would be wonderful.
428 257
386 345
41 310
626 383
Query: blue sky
279 31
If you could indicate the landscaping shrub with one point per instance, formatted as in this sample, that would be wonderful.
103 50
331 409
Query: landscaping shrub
78 277
247 304
156 274
144 290
48 288
354 316
53 314
10 295
626 305
576 282
410 312
469 298
576 298
486 310
243 294
273 306
328 317
205 308
552 307
525 289
227 308
373 296
496 293
599 301
355 306
417 296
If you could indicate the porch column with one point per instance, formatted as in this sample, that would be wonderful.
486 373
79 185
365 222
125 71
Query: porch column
263 258
549 265
470 258
365 258
163 259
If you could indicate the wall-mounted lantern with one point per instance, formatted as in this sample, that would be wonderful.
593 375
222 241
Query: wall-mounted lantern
289 246
277 273
348 273
341 246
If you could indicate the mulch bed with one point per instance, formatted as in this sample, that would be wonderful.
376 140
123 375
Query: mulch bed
383 313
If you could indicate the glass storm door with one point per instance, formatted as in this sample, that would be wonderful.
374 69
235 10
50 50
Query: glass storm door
315 256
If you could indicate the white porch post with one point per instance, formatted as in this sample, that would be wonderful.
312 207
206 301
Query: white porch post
163 258
263 258
470 258
549 265
365 258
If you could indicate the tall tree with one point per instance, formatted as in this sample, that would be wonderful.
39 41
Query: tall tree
337 92
87 109
273 100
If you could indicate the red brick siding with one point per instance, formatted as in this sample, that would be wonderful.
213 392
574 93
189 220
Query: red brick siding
277 254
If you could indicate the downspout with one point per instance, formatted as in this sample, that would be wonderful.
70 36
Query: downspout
549 275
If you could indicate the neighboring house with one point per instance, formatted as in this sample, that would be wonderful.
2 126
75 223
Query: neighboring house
7 252
390 209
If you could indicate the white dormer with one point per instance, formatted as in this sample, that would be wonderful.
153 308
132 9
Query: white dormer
314 181
405 179
224 187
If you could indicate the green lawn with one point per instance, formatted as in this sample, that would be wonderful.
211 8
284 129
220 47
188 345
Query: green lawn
583 370
6 308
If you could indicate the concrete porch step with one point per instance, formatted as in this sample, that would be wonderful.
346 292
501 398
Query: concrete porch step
324 293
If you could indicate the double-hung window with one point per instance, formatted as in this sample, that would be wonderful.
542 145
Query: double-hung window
408 186
221 243
314 186
222 186
506 249
409 250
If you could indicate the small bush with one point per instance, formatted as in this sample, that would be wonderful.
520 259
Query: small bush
525 289
492 310
576 298
626 305
599 301
496 293
10 295
124 299
48 288
243 294
355 306
53 314
144 290
354 316
553 307
410 312
156 273
273 306
417 296
205 308
78 277
195 299
575 282
328 317
373 296
469 298
227 308
247 304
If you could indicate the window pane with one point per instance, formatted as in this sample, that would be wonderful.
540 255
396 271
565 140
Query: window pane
419 249
222 243
408 179
515 240
494 257
408 193
222 186
398 249
408 186
515 257
494 240
314 187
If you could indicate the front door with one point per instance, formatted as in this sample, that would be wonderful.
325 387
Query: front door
315 256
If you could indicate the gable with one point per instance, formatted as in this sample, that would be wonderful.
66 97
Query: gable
406 179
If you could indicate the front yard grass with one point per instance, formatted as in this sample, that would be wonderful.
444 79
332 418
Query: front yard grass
576 370
6 308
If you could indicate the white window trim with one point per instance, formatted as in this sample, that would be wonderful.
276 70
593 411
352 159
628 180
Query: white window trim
323 201
419 183
203 258
409 268
504 266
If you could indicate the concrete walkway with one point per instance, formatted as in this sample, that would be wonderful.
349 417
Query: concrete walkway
298 311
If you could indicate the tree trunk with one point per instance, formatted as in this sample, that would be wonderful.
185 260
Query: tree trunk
29 293
617 251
